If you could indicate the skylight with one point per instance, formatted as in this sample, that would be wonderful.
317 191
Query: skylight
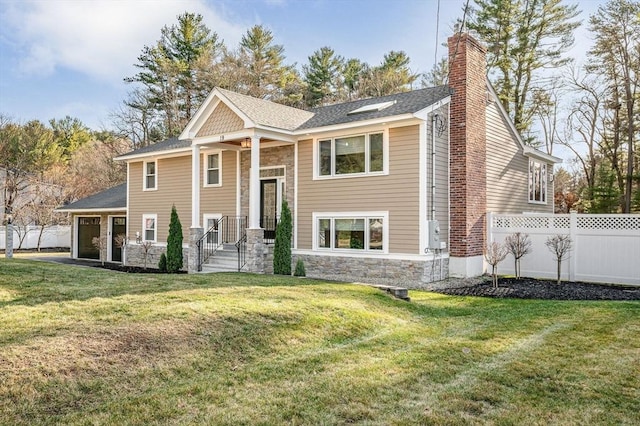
373 107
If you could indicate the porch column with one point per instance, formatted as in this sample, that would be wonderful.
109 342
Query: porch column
196 231
254 184
195 186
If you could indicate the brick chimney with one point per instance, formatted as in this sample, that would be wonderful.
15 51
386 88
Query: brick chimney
468 183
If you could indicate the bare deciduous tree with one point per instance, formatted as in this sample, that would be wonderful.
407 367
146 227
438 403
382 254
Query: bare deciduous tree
559 246
494 254
146 248
120 241
101 244
518 245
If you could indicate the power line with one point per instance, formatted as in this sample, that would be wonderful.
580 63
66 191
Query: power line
435 56
455 52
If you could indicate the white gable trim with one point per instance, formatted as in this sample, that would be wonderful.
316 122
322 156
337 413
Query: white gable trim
535 153
526 150
167 153
423 114
208 106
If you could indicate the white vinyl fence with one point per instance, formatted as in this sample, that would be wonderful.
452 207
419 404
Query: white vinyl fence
54 236
606 248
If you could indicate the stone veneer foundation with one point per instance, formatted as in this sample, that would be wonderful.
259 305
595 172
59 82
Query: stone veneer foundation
407 273
134 256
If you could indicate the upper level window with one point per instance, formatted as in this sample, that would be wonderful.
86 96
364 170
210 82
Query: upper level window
351 155
150 175
149 227
213 170
537 182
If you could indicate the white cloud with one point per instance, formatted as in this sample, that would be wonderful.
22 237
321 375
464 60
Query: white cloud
99 38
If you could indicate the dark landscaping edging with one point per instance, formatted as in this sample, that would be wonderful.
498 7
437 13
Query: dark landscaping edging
528 288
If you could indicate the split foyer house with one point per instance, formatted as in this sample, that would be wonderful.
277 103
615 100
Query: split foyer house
394 188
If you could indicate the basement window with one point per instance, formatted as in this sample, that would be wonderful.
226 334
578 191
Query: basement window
363 232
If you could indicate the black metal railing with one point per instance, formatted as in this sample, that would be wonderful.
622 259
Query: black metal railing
269 224
241 247
232 230
226 230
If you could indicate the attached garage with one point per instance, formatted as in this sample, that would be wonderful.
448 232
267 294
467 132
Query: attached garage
101 215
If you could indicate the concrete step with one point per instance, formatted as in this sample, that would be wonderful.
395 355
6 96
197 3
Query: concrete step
222 260
209 269
230 261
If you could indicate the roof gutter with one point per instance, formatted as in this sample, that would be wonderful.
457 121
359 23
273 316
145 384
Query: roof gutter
353 124
535 153
89 210
164 153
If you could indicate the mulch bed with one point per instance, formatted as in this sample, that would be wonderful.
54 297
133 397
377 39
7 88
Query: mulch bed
130 269
529 288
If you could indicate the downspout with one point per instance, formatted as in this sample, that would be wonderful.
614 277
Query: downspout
434 120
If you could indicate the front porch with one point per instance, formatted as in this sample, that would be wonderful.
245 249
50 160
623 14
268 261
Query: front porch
215 231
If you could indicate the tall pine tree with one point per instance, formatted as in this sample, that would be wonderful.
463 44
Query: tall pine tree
522 38
170 71
323 77
615 57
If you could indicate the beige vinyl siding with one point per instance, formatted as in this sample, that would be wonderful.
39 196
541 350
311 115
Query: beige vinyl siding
396 193
174 187
221 120
220 199
508 170
442 174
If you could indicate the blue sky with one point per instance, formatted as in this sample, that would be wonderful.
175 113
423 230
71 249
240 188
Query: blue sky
69 57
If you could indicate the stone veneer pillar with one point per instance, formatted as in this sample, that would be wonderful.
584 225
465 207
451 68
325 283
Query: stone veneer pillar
194 236
468 183
256 250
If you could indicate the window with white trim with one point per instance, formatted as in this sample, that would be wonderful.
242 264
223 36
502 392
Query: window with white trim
351 155
150 175
355 232
213 170
149 227
537 182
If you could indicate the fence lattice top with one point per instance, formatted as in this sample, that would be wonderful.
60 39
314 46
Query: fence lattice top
612 222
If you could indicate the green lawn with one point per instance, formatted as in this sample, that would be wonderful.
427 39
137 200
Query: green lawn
87 346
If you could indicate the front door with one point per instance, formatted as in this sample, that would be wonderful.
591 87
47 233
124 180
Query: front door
118 228
269 207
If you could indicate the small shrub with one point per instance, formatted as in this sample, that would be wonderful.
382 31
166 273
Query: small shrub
282 249
174 243
300 271
559 246
162 264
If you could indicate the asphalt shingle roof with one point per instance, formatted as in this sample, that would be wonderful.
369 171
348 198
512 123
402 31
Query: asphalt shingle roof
271 114
112 198
406 103
267 113
166 145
